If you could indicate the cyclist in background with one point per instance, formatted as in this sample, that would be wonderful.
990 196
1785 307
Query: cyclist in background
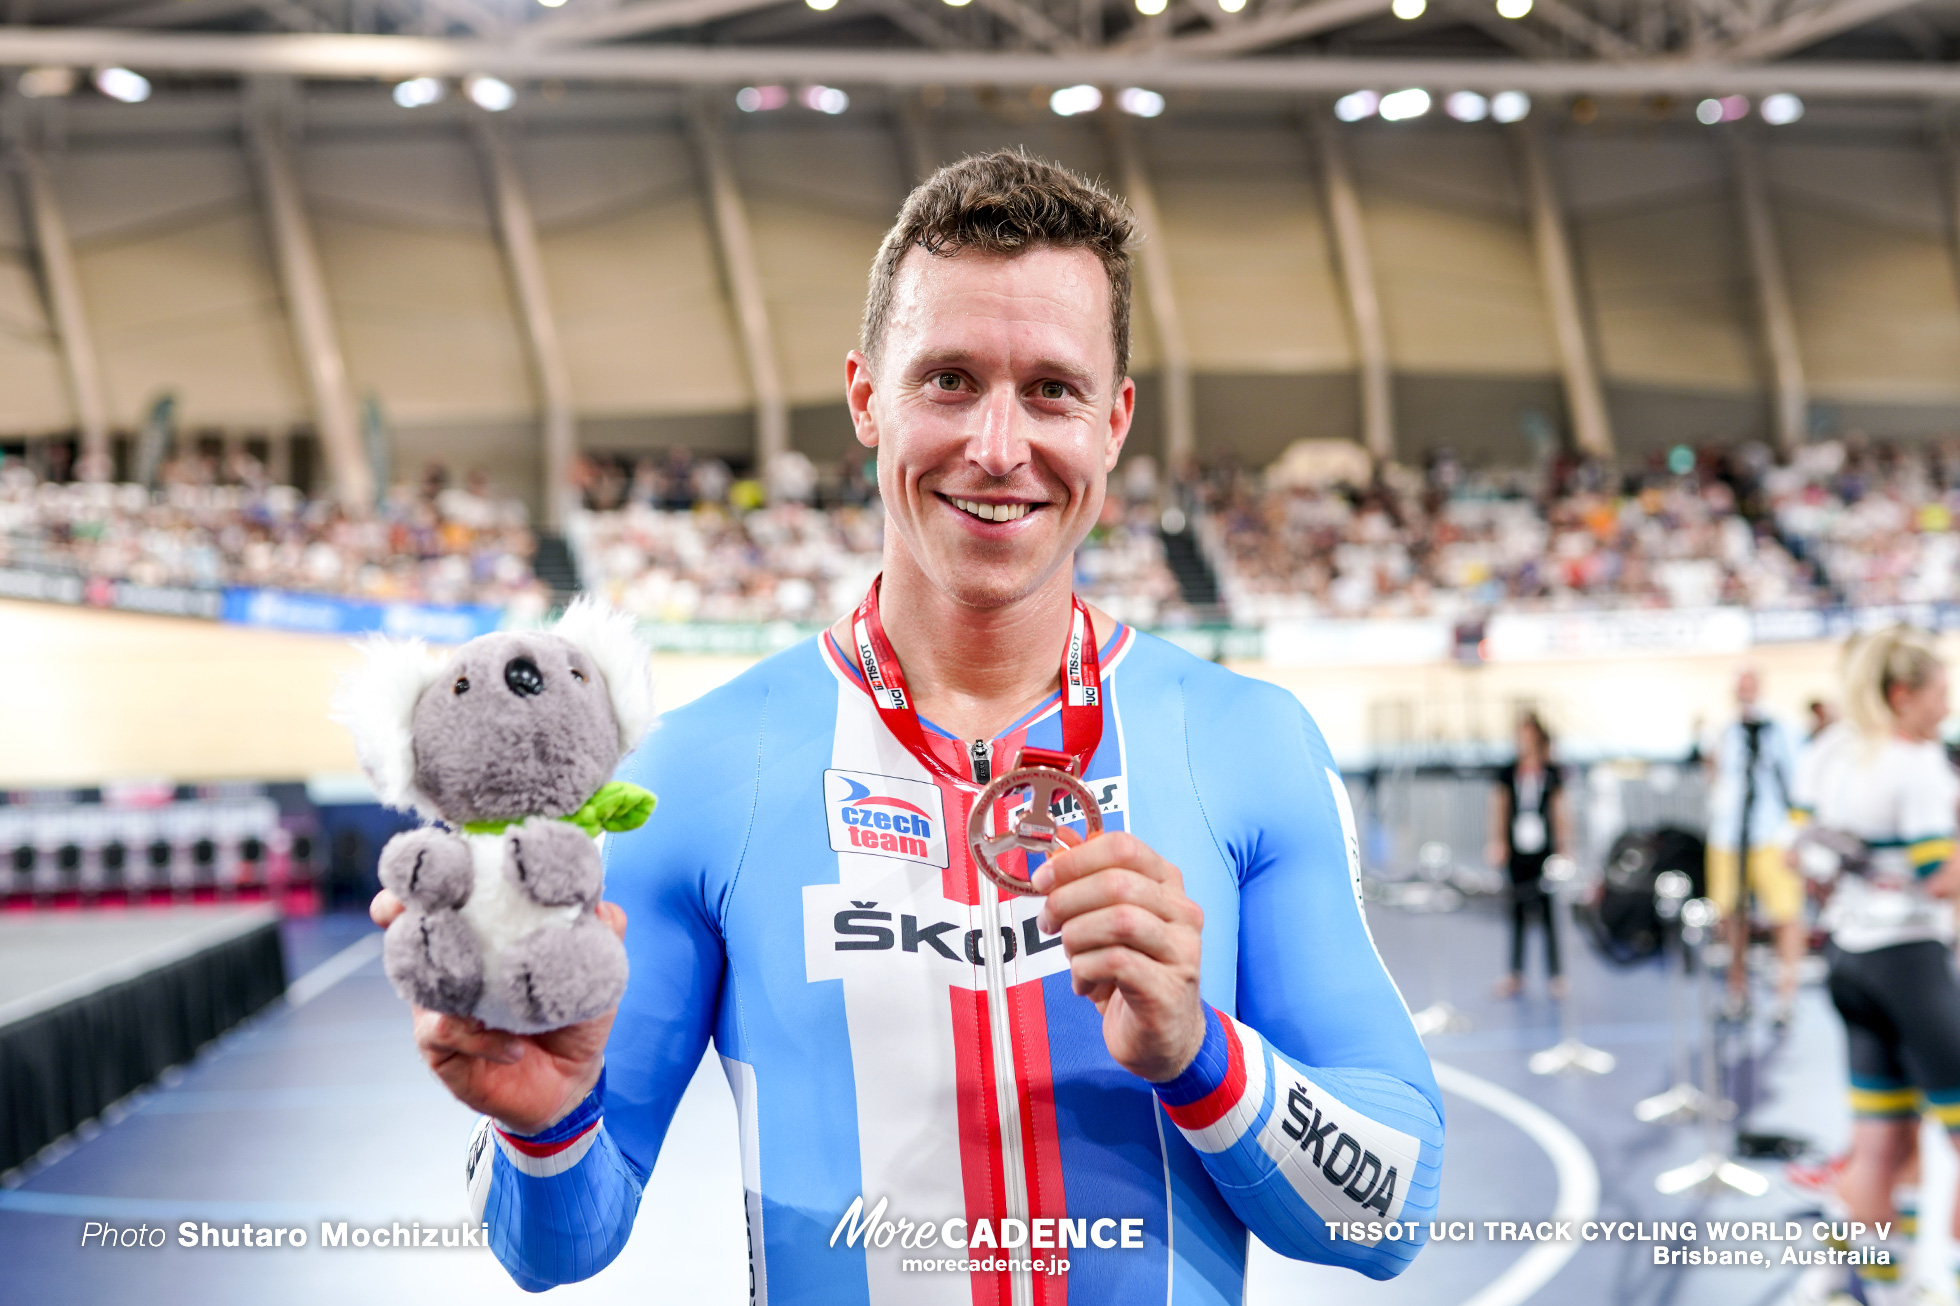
1884 789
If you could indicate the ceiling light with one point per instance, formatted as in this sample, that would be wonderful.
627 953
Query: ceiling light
47 83
761 99
1466 106
1151 8
1510 106
1071 100
1408 9
959 4
1355 107
418 91
824 99
122 84
491 94
1729 108
1778 110
1513 8
1231 6
1139 103
551 4
821 5
1398 105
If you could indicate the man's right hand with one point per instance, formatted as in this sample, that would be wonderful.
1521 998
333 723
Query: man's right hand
525 1082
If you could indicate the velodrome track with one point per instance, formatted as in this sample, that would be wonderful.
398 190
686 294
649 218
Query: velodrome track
319 1110
93 696
90 696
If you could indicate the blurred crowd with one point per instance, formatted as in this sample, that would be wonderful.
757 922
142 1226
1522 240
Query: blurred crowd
678 480
1843 522
1320 533
433 541
785 562
679 539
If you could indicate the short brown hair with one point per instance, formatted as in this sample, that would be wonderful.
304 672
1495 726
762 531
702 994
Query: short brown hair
1006 202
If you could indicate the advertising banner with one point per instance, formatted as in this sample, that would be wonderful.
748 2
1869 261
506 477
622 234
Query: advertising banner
102 592
1538 636
1505 636
731 639
1387 642
327 614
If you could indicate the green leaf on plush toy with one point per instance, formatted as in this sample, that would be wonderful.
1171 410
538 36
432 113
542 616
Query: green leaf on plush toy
618 806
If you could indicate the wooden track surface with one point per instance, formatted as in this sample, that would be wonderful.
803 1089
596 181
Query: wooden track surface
1637 706
88 696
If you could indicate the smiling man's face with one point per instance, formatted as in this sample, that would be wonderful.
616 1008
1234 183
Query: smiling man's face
997 414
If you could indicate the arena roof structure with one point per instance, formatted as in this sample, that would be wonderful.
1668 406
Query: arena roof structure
1882 48
272 79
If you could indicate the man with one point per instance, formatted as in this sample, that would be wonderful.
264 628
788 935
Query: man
1190 1035
1751 769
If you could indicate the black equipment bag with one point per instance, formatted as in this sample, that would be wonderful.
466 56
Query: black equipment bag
1619 916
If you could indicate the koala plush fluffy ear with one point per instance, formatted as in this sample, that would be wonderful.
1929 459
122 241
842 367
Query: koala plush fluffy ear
607 637
377 705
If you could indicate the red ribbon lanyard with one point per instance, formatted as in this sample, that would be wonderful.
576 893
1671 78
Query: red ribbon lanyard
1082 718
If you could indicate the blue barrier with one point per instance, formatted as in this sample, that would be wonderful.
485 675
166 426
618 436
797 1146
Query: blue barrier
325 614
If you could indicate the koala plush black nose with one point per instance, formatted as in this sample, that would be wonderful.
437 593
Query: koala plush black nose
523 677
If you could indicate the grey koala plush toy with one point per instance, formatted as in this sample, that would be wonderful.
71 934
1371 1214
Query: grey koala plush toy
508 742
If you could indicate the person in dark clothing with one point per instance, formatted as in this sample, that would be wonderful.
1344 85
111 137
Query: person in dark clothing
1821 718
1530 821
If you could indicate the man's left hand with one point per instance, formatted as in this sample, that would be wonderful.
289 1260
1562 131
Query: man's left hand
1133 942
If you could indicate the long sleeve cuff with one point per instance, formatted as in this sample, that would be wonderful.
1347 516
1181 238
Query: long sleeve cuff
1214 1081
1293 1149
557 1149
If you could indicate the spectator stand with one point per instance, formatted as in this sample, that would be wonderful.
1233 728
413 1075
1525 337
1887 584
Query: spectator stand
159 844
445 561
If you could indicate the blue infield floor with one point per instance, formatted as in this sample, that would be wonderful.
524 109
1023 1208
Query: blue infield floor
319 1110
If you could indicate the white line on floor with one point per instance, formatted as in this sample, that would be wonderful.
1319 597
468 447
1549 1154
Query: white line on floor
1578 1182
333 970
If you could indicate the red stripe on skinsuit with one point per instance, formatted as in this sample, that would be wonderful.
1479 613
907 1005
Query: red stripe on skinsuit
1041 1143
980 1168
1211 1108
962 882
957 882
547 1149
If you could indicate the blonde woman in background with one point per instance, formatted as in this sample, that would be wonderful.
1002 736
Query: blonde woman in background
1885 782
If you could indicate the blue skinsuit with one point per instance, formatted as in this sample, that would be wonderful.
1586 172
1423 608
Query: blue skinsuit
803 894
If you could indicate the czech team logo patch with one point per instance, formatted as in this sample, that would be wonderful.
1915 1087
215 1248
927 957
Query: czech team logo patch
885 815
